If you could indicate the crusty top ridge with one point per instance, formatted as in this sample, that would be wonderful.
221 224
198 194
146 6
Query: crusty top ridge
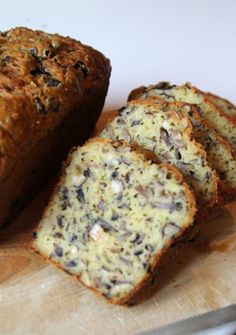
42 78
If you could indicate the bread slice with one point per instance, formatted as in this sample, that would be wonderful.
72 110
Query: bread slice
218 119
169 136
219 153
112 217
228 107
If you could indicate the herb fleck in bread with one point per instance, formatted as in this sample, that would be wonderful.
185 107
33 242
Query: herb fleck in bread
168 134
112 217
52 90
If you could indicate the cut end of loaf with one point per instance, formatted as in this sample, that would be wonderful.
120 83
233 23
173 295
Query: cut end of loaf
112 217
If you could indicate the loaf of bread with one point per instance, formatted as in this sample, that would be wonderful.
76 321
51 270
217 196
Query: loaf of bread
219 153
112 217
217 118
228 107
52 90
169 136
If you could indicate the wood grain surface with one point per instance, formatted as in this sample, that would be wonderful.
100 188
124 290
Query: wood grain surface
36 298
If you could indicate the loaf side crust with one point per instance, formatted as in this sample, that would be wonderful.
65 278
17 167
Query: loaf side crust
46 81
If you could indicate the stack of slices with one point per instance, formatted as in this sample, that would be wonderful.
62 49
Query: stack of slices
115 213
214 123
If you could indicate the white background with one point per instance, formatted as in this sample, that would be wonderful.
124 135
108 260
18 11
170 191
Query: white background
146 40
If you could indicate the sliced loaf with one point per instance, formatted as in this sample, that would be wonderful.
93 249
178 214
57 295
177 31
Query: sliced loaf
219 153
169 136
218 119
112 217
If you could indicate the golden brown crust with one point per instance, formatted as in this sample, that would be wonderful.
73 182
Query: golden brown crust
47 75
217 108
45 79
190 219
231 108
136 93
211 95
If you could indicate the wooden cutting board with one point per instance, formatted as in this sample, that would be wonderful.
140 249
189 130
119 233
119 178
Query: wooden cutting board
36 298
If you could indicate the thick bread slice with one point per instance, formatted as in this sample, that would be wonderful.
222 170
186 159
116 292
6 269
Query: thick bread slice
112 217
219 153
169 136
221 122
228 107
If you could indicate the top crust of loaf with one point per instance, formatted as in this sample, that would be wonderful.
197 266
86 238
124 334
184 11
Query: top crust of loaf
43 77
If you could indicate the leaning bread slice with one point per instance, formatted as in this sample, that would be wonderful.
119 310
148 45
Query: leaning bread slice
112 217
221 122
169 136
228 107
219 153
